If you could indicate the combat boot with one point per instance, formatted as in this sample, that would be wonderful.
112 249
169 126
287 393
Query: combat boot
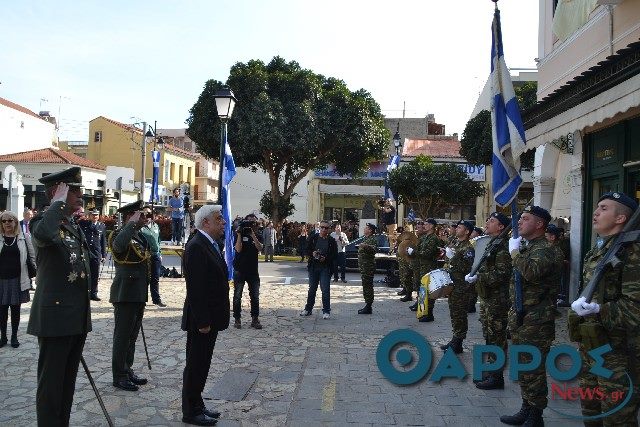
406 298
485 375
427 318
365 310
255 323
518 418
535 418
401 292
494 381
455 344
414 307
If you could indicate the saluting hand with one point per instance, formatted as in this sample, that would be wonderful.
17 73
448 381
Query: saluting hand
60 195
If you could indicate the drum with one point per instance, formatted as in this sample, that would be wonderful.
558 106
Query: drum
440 283
406 240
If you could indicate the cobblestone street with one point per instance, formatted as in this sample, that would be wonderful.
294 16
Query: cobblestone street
308 371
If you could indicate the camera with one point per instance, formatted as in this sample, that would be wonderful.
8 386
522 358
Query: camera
246 227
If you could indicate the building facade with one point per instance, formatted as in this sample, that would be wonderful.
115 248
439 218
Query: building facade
23 129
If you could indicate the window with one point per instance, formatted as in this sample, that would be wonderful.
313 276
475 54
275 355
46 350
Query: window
180 173
97 137
189 174
167 170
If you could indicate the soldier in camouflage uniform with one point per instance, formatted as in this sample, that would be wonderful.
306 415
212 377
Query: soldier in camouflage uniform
460 262
427 255
473 295
405 239
492 285
613 316
367 264
539 265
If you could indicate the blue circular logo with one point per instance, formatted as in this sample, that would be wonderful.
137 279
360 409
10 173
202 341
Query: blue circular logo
403 356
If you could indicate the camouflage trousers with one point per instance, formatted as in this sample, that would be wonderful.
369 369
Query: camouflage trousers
473 297
533 384
406 275
493 318
415 275
367 287
614 390
458 309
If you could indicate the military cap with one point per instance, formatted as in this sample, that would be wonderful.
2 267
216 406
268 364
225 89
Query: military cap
502 218
431 221
621 198
467 224
539 212
478 230
372 227
555 230
72 177
132 207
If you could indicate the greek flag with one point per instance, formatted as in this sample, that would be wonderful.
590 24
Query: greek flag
394 162
506 124
228 172
155 156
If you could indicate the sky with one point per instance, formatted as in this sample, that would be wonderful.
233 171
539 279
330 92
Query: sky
135 61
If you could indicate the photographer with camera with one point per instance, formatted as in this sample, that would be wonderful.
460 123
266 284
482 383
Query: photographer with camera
321 251
245 269
389 220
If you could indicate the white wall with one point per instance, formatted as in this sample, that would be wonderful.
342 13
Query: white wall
23 132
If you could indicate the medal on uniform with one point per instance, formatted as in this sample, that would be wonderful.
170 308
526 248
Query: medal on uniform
73 258
61 234
82 275
72 276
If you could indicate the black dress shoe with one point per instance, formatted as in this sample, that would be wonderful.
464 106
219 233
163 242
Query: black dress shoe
14 342
3 341
136 379
125 385
95 298
211 414
200 420
160 304
414 307
406 298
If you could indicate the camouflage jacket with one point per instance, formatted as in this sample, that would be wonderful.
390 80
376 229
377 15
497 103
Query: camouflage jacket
366 254
618 293
427 253
495 273
460 264
540 266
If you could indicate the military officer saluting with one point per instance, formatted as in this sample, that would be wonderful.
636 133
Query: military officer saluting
367 264
492 285
612 317
539 264
129 290
60 313
94 232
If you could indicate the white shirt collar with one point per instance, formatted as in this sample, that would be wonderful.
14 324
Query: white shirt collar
208 237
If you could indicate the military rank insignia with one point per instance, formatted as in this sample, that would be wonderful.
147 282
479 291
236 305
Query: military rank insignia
72 276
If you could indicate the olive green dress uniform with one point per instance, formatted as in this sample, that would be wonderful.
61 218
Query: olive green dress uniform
60 313
617 324
128 294
492 287
427 260
540 265
460 266
367 264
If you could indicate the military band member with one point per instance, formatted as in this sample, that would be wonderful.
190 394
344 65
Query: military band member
95 233
612 317
460 261
539 265
407 239
60 314
367 265
492 285
129 291
426 255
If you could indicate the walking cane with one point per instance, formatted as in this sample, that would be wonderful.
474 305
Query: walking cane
95 390
144 341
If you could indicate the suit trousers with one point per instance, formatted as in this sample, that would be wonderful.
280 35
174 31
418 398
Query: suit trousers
128 319
199 351
57 371
94 265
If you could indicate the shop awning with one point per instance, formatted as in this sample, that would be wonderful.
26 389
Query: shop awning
356 190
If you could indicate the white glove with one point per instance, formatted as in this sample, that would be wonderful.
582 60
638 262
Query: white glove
60 195
514 244
410 251
584 308
449 252
470 279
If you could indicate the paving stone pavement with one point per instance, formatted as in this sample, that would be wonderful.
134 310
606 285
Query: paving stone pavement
310 371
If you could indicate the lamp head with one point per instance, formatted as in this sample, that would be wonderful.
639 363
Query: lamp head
225 102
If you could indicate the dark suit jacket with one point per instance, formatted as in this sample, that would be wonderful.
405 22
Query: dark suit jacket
61 302
96 238
207 301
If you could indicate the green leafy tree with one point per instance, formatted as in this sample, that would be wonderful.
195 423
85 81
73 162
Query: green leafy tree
430 187
284 209
289 121
476 144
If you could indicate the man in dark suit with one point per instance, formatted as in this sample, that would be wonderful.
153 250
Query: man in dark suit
60 313
206 310
129 290
94 232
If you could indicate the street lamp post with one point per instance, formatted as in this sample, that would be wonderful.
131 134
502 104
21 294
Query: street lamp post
225 102
397 143
149 135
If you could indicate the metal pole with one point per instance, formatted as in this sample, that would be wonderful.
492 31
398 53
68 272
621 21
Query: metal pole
95 390
223 139
144 159
144 341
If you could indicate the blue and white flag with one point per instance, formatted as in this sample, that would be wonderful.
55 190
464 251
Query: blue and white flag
228 172
394 162
506 124
155 156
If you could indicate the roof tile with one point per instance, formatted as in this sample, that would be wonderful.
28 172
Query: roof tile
50 155
431 148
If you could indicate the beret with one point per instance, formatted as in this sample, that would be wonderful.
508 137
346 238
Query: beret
432 221
539 212
372 227
555 230
467 224
502 218
621 198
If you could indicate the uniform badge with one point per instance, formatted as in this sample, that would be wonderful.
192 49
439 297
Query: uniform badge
73 258
82 275
61 234
72 276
